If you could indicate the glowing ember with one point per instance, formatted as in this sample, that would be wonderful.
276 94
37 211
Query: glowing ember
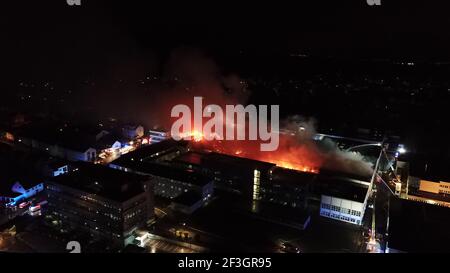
294 152
194 135
197 136
295 166
290 154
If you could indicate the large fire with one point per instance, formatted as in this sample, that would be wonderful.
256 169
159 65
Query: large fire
196 136
295 150
290 154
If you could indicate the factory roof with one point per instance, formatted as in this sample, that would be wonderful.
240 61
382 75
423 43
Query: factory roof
429 168
292 177
192 158
349 176
168 172
147 152
418 227
103 181
138 162
223 161
340 187
329 183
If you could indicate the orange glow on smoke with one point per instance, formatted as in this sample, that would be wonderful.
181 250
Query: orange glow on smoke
290 154
294 152
295 166
194 135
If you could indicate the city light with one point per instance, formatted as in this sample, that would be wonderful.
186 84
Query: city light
221 134
401 149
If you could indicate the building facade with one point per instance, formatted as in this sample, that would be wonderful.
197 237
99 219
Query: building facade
437 187
106 204
345 201
341 209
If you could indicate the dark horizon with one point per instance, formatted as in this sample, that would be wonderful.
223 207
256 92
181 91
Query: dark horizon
64 35
98 152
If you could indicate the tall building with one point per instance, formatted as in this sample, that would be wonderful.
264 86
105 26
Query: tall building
104 203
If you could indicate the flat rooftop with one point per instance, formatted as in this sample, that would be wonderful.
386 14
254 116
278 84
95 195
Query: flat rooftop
418 227
219 161
227 161
168 172
339 184
155 169
340 187
345 175
146 153
430 168
285 176
103 181
191 158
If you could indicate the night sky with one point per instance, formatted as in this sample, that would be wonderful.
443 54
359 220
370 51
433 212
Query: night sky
104 42
341 66
52 37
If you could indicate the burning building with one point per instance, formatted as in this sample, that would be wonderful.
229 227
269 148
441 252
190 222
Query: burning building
230 173
178 167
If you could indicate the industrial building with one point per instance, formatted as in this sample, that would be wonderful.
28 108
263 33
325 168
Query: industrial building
345 200
104 203
289 188
169 182
340 196
417 227
234 174
437 187
333 194
177 168
428 181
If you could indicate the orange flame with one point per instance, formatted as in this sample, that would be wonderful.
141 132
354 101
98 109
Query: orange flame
194 135
289 155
